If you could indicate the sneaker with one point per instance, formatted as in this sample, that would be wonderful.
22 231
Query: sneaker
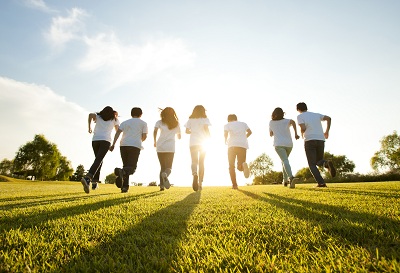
292 182
86 183
124 190
195 184
284 183
95 186
331 168
246 170
200 186
120 177
321 186
166 183
161 189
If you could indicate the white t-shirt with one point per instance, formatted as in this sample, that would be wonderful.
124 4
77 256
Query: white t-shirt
196 126
132 130
312 121
166 140
102 129
237 134
281 130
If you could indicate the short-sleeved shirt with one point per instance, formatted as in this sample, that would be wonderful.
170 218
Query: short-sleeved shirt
166 140
281 130
312 121
102 129
198 134
132 131
237 134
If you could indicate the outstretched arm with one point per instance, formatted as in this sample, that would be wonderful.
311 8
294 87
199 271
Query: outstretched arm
115 139
293 124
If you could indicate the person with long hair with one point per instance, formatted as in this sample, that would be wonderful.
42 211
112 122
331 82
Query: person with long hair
106 120
314 141
279 128
197 127
236 134
134 132
165 144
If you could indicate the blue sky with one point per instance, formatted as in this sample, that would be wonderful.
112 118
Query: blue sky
60 60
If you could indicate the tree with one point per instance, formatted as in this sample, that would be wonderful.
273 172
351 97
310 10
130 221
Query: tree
342 164
64 169
261 169
388 157
6 166
78 174
39 158
304 174
110 179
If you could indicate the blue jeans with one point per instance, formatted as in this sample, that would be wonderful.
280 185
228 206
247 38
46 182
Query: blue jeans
315 157
284 153
198 155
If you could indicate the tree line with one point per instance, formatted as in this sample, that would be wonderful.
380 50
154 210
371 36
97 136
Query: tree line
42 160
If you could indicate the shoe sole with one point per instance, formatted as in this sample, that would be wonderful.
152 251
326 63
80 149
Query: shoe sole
332 169
195 184
292 183
86 187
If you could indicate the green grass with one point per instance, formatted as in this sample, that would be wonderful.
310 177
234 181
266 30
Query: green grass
56 227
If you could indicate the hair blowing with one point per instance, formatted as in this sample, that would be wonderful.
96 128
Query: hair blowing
168 116
107 113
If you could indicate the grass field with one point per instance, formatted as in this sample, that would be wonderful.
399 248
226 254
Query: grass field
56 227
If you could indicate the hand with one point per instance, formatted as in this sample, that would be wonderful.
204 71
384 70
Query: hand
296 136
111 148
326 134
90 130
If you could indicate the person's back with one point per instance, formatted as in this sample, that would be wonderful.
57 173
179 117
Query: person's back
313 125
237 134
133 130
281 132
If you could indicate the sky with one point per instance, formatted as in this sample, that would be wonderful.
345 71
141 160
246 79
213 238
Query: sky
61 60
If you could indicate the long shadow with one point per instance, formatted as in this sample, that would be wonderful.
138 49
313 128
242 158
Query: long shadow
38 218
48 199
357 228
148 246
392 194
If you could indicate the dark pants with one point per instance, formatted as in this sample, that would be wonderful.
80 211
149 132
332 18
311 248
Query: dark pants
129 156
100 149
234 153
315 157
166 160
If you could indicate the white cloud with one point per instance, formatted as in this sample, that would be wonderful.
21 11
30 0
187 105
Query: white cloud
129 63
39 5
65 29
30 109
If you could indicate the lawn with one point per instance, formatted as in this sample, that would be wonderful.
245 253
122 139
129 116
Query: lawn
56 227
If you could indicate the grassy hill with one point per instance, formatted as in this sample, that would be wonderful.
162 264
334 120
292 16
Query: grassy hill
56 227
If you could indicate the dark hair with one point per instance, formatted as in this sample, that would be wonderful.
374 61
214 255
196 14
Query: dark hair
168 116
301 106
232 117
136 112
198 112
277 114
107 113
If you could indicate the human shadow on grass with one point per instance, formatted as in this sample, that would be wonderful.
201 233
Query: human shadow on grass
38 218
391 194
46 199
347 226
151 245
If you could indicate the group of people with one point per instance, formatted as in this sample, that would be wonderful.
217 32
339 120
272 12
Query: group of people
134 131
